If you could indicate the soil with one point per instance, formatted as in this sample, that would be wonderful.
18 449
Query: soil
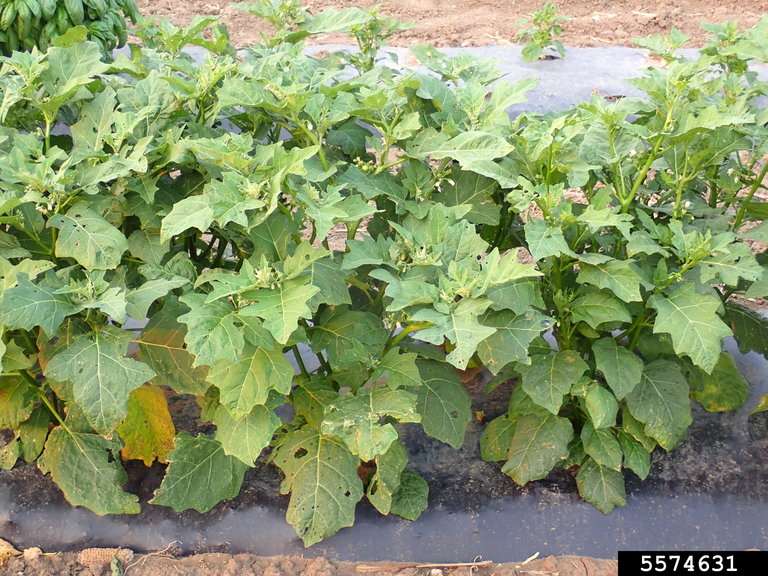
441 23
484 22
96 562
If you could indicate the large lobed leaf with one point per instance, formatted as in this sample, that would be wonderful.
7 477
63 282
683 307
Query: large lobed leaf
199 475
86 468
691 319
321 475
102 376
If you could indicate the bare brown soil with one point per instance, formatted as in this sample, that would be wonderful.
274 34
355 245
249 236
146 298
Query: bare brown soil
91 562
485 22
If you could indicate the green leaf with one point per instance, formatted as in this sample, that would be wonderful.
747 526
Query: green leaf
636 457
725 389
762 405
691 319
406 292
636 429
621 368
537 446
444 404
356 419
247 382
731 264
283 307
331 282
245 437
466 147
140 299
88 238
602 406
321 475
512 338
368 251
545 240
199 475
411 497
549 378
618 276
349 336
600 486
497 438
148 429
399 369
87 469
193 212
602 445
29 305
33 433
17 400
599 308
661 402
468 188
310 399
386 479
102 377
460 325
518 295
161 347
212 330
750 328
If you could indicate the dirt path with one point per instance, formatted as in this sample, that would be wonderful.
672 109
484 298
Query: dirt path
484 22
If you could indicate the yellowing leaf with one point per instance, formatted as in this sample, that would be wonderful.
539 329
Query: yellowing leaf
148 429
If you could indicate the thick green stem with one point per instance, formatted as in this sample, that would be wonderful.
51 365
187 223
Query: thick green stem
300 361
755 186
406 331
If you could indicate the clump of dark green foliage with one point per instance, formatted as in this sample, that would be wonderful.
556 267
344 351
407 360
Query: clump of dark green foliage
28 24
205 197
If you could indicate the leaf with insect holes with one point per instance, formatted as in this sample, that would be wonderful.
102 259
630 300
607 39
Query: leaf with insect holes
357 419
247 382
199 475
386 478
102 376
87 469
691 319
88 238
321 476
